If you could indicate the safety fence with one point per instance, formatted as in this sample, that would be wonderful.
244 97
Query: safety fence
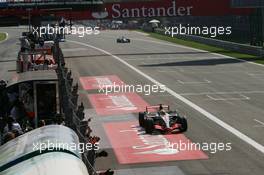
73 113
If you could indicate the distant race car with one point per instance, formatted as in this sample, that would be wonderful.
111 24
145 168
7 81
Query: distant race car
123 40
162 119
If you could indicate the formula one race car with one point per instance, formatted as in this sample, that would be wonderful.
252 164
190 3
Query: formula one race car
162 119
123 40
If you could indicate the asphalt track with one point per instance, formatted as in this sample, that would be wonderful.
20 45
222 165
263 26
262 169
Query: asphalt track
229 89
8 52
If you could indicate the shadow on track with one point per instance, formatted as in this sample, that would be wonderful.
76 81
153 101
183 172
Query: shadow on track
131 54
6 61
205 62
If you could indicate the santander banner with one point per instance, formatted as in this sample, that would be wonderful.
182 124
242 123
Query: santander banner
162 8
168 8
142 10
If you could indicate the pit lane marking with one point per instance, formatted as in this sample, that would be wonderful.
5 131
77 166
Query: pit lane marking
210 116
256 75
222 93
242 97
260 124
194 82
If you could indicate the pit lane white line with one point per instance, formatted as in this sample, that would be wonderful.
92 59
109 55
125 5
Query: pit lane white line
242 97
261 124
222 93
194 82
210 116
256 75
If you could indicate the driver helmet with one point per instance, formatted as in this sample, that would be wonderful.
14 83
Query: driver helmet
162 112
41 42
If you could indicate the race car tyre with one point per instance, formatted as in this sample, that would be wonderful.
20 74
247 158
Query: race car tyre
184 125
141 119
149 125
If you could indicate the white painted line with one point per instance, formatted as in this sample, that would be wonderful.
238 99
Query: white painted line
222 93
144 63
261 124
180 81
7 59
173 71
164 71
210 116
167 71
258 74
194 82
5 38
243 97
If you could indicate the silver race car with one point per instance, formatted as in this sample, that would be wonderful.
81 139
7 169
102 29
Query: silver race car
160 118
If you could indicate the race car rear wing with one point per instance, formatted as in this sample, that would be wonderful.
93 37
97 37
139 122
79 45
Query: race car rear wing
158 107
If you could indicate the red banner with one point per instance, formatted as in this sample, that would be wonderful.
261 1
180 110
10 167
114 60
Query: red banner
165 8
